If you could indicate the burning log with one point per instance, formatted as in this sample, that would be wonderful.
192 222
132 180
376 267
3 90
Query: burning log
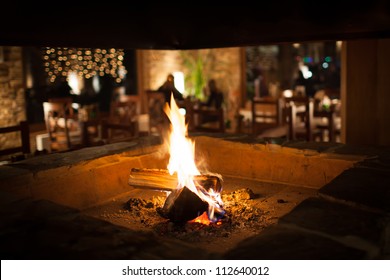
160 179
183 205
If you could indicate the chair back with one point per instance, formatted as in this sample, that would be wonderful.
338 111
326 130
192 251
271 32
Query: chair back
67 103
324 120
24 146
125 110
267 113
158 121
299 115
122 124
61 122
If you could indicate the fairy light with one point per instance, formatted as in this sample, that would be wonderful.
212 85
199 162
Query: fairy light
85 62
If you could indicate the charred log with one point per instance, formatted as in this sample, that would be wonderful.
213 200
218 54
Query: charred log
183 205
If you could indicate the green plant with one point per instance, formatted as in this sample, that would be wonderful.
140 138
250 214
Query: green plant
195 79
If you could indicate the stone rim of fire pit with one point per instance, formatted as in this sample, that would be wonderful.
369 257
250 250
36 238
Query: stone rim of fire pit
357 189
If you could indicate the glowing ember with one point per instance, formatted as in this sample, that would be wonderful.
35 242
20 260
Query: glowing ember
202 219
182 161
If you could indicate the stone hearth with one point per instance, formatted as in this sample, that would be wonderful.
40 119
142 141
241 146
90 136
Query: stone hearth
323 201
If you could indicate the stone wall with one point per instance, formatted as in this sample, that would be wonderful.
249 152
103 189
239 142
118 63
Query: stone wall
12 98
222 64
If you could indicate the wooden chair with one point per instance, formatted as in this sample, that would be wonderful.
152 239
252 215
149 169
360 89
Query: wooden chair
327 116
24 146
91 132
125 110
68 103
82 129
122 123
62 125
328 120
266 114
300 115
158 121
90 121
325 121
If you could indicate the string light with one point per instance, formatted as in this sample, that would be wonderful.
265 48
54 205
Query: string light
85 62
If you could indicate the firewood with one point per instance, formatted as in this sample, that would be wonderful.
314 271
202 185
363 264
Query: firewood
160 179
183 205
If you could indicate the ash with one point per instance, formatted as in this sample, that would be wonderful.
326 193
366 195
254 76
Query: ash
241 215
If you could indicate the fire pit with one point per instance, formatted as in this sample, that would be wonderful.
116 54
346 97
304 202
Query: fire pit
250 207
296 200
189 204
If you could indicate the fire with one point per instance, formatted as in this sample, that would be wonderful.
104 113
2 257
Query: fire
182 161
202 219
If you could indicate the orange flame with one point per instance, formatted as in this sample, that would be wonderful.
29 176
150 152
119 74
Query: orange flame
182 159
202 219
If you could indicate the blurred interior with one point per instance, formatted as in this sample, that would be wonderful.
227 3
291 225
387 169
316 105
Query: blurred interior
251 55
310 78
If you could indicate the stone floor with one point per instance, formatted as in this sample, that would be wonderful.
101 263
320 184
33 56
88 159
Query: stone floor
348 218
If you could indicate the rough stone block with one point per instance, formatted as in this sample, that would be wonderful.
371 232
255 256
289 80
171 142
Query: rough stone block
316 146
366 186
15 180
45 230
81 178
279 243
338 220
270 162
